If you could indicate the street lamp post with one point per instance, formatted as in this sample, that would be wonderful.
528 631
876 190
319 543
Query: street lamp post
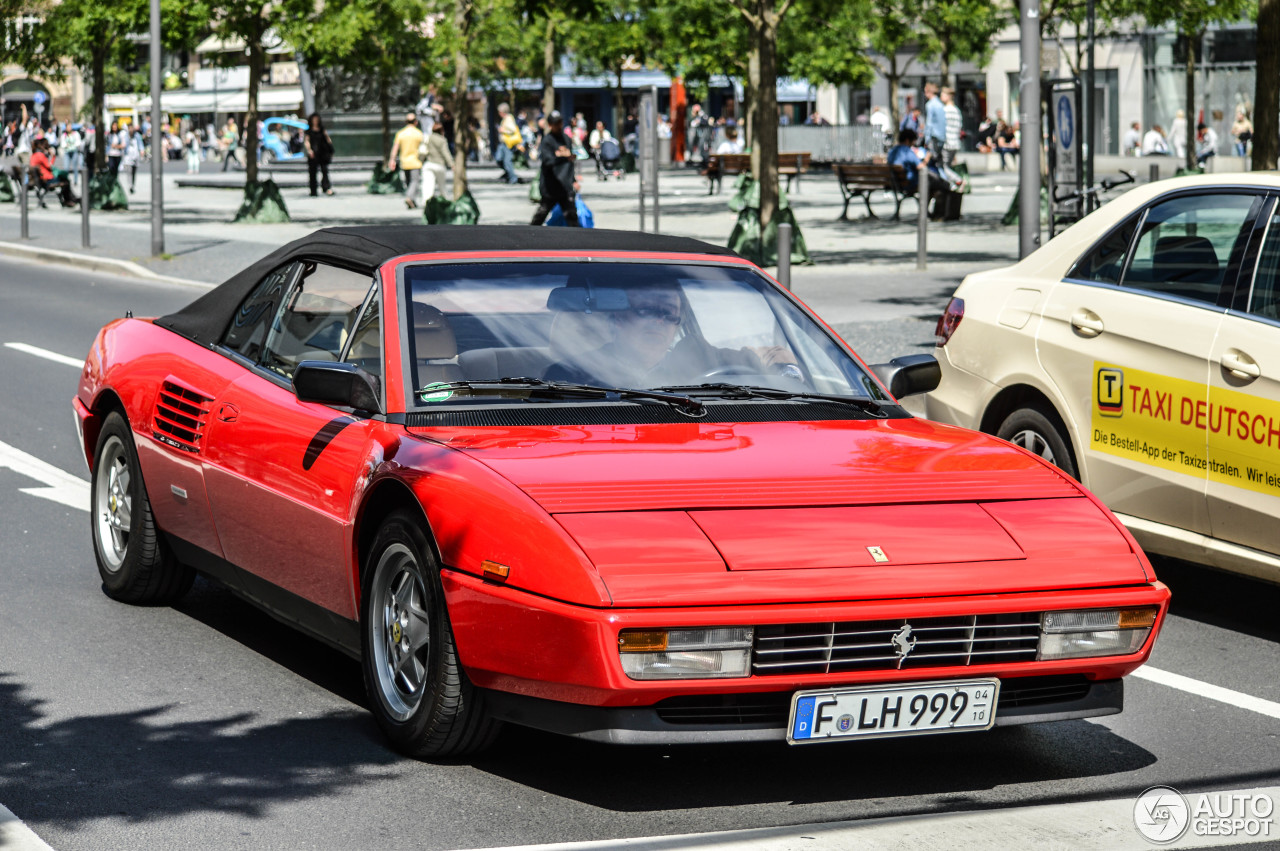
157 148
1029 150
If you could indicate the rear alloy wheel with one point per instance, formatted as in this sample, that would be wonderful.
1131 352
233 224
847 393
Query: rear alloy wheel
134 563
419 694
1039 433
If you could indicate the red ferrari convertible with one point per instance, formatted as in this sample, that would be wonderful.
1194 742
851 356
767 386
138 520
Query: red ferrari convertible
614 485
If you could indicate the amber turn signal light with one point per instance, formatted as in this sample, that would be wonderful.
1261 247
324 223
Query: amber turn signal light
642 641
496 572
1137 618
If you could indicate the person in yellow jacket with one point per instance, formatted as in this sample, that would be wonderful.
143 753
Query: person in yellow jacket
405 146
509 141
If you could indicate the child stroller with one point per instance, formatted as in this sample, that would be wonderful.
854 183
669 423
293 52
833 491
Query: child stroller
609 160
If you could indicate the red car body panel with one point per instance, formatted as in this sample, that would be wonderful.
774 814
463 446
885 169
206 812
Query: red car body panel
612 527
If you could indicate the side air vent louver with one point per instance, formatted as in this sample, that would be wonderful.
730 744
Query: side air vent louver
180 416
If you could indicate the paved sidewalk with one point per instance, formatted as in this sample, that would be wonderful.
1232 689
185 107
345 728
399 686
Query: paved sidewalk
863 280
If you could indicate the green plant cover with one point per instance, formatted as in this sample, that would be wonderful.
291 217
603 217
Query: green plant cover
1011 217
385 182
106 193
262 204
7 193
441 211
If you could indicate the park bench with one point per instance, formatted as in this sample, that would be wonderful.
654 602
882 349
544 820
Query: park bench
859 180
790 165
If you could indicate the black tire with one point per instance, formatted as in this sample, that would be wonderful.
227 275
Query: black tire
417 689
1040 431
135 564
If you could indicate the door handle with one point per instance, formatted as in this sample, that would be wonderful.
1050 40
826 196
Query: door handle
1086 323
228 413
1240 365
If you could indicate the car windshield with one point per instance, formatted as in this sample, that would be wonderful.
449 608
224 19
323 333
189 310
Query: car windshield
702 330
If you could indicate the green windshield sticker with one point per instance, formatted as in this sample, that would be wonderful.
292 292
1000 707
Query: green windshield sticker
432 393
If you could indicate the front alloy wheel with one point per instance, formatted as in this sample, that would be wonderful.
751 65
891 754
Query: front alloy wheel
418 691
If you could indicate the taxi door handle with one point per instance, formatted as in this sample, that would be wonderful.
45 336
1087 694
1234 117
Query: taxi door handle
1240 365
1086 323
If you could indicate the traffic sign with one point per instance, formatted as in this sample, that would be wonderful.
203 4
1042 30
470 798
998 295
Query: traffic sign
39 97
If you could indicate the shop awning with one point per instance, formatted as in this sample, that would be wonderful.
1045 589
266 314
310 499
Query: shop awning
183 101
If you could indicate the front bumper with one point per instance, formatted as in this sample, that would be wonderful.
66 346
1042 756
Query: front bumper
763 717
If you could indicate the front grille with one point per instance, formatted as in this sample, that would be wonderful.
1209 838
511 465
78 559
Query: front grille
180 416
825 648
772 709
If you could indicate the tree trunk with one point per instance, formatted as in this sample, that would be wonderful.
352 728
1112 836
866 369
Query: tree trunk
384 106
1266 122
1193 41
945 67
619 110
251 117
99 63
764 144
463 18
549 66
895 87
749 107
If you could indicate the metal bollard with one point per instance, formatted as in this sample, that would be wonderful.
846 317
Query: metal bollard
84 206
784 255
922 218
1153 174
22 201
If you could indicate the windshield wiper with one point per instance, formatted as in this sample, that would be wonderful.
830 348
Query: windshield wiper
537 387
754 391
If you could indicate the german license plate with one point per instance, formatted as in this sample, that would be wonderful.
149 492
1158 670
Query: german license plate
910 709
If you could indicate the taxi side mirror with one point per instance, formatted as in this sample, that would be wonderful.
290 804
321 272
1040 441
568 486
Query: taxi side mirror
343 384
909 374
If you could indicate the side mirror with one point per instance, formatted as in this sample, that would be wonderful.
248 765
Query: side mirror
343 384
909 374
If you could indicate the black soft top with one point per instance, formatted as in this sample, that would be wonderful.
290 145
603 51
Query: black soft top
364 249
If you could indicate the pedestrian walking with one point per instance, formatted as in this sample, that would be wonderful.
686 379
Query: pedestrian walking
193 151
1242 131
405 147
131 155
319 150
1177 137
116 140
73 152
699 134
955 126
230 141
510 142
434 154
935 122
556 178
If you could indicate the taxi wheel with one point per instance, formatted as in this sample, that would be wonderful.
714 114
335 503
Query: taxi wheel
1037 431
133 561
420 696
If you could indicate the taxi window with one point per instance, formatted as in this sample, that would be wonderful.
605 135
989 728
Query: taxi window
317 319
1186 243
1106 261
1264 300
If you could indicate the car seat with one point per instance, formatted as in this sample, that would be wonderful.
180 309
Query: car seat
434 344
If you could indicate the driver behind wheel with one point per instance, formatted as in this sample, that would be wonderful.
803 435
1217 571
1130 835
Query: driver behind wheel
655 344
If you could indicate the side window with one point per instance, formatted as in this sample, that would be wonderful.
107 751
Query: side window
1106 261
249 327
1186 243
1264 299
317 319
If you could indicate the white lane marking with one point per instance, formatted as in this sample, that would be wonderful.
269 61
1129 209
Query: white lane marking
1083 826
1218 693
16 836
59 486
46 354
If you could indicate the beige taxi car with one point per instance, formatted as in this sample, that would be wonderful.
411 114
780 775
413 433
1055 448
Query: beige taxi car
1140 352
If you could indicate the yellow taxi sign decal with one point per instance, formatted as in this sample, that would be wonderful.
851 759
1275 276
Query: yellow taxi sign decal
1228 436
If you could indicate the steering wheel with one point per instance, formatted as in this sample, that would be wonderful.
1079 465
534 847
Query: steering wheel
730 369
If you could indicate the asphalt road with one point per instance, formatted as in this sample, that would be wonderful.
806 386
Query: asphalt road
210 726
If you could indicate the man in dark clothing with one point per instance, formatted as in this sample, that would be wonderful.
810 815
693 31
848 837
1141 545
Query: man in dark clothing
555 182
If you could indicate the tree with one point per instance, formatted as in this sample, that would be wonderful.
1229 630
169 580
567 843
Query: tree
1266 126
958 30
607 41
1191 19
893 27
381 38
94 36
825 42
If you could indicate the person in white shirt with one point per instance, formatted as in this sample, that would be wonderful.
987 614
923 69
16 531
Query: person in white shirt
1208 143
731 144
1154 144
1132 143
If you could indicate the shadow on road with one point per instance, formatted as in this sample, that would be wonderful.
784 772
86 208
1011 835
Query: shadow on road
1221 599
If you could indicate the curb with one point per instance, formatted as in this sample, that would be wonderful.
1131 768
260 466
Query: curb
17 836
96 264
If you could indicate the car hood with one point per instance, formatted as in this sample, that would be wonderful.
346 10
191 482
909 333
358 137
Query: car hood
746 512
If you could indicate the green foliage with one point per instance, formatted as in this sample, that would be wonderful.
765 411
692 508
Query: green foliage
697 39
825 41
959 30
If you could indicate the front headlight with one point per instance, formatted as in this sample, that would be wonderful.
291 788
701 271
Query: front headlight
673 654
1095 632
